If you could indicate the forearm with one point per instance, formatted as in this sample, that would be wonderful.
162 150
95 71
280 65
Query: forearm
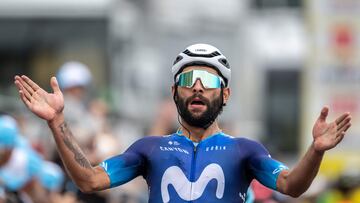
76 164
299 179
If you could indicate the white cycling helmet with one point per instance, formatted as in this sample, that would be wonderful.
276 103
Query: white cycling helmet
203 54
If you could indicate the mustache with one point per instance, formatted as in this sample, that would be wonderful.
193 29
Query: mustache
200 96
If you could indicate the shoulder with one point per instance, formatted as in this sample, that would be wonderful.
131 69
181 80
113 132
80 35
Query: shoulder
246 141
153 139
149 142
239 140
249 145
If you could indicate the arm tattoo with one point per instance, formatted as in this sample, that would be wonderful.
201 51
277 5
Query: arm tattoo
73 147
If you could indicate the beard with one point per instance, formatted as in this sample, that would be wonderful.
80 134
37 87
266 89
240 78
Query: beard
206 118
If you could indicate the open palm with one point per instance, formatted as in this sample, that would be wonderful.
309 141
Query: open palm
328 135
41 103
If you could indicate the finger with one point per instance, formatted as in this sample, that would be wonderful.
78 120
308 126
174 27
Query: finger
339 138
55 85
26 86
31 83
18 85
22 89
24 99
26 94
343 129
344 122
347 127
17 77
342 117
17 80
324 113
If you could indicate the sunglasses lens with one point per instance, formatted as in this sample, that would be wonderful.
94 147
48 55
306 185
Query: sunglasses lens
207 79
186 79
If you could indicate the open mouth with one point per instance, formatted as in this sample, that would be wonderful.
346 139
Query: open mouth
197 101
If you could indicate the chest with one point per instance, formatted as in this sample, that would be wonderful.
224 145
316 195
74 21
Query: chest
195 161
208 171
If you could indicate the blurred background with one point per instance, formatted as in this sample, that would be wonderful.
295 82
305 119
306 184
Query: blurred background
288 59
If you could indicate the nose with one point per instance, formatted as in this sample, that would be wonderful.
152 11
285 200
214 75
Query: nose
198 87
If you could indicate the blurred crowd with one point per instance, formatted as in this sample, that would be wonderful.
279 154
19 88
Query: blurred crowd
31 170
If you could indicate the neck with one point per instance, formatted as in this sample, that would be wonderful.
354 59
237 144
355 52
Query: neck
197 134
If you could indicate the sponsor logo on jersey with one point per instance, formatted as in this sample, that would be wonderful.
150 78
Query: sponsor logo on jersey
176 143
173 149
279 169
215 148
242 196
188 190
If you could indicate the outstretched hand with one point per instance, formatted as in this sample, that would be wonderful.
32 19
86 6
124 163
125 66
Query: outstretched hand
43 104
328 135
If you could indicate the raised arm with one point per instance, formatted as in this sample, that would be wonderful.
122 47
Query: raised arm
49 106
325 136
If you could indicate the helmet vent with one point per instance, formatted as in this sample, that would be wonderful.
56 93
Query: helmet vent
224 62
178 58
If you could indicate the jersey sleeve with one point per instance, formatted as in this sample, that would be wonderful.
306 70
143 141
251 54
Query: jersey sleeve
125 167
264 168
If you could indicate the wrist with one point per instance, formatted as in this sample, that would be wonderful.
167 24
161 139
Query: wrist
316 151
57 120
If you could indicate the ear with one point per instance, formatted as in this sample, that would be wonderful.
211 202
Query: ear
226 94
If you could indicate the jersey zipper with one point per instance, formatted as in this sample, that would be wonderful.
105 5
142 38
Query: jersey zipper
192 174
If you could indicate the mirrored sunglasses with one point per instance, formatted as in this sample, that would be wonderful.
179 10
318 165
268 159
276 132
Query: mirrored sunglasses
208 80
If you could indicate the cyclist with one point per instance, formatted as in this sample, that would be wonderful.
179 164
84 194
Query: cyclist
198 163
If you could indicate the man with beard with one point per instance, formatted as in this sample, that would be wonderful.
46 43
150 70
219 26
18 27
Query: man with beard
198 163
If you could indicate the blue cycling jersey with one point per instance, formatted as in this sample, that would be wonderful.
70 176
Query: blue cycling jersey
219 169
